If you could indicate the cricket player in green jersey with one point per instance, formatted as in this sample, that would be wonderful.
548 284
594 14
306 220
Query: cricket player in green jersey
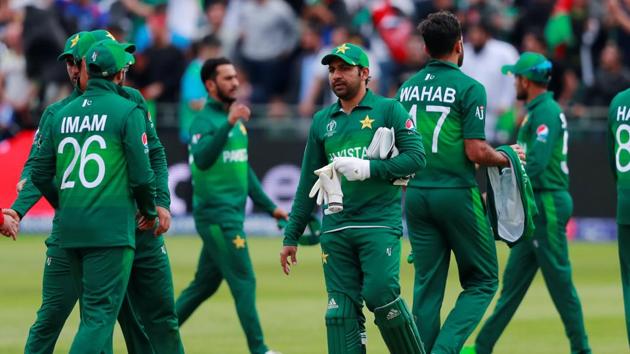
150 295
543 134
361 244
444 209
619 155
222 179
93 167
58 291
151 266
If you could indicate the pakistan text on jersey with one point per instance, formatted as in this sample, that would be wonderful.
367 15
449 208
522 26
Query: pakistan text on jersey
428 93
239 155
75 124
359 151
623 113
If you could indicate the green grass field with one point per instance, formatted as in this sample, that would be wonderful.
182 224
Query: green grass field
292 308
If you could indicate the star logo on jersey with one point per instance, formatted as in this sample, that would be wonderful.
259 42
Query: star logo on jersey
238 242
342 49
542 132
324 258
74 41
366 122
480 112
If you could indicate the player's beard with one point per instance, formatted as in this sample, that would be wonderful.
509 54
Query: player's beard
346 90
225 96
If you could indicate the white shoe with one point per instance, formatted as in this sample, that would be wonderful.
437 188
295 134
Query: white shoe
272 352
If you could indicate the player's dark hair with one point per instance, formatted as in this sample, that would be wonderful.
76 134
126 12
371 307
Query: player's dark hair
440 31
209 68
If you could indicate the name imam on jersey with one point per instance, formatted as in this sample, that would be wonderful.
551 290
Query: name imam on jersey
76 124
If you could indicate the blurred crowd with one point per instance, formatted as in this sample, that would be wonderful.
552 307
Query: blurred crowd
277 46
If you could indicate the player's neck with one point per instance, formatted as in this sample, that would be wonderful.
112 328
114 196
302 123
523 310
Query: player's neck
452 58
348 105
533 93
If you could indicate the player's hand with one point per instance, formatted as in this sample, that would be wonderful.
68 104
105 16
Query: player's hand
10 227
144 223
164 217
20 185
280 214
12 213
520 152
353 168
238 111
288 252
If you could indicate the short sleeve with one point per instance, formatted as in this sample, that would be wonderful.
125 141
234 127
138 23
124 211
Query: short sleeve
474 107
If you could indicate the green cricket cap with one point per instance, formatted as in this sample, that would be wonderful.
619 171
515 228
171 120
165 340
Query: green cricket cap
107 57
87 39
533 66
350 53
71 43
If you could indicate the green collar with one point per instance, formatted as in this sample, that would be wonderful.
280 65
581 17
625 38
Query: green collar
538 99
214 104
98 84
438 62
368 101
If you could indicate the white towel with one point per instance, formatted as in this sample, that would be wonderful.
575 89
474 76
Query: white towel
383 147
328 189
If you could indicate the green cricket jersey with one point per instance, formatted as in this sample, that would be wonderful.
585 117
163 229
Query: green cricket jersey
221 176
97 148
375 202
29 195
619 151
448 106
544 137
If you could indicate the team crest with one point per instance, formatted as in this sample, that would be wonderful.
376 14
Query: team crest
542 132
145 140
330 128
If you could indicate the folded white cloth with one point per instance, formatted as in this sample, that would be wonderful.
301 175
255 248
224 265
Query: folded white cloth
327 188
383 147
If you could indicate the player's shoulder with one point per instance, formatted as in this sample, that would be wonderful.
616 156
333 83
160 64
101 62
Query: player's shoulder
133 94
621 98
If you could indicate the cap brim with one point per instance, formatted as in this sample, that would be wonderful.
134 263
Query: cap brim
129 47
508 69
329 57
63 55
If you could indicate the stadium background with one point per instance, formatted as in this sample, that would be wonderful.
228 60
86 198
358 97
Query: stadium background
588 41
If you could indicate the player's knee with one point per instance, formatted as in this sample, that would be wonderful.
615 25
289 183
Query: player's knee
376 297
340 309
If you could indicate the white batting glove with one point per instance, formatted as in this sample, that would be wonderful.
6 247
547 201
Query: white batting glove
353 168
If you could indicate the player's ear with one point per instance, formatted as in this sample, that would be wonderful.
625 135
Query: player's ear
210 85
